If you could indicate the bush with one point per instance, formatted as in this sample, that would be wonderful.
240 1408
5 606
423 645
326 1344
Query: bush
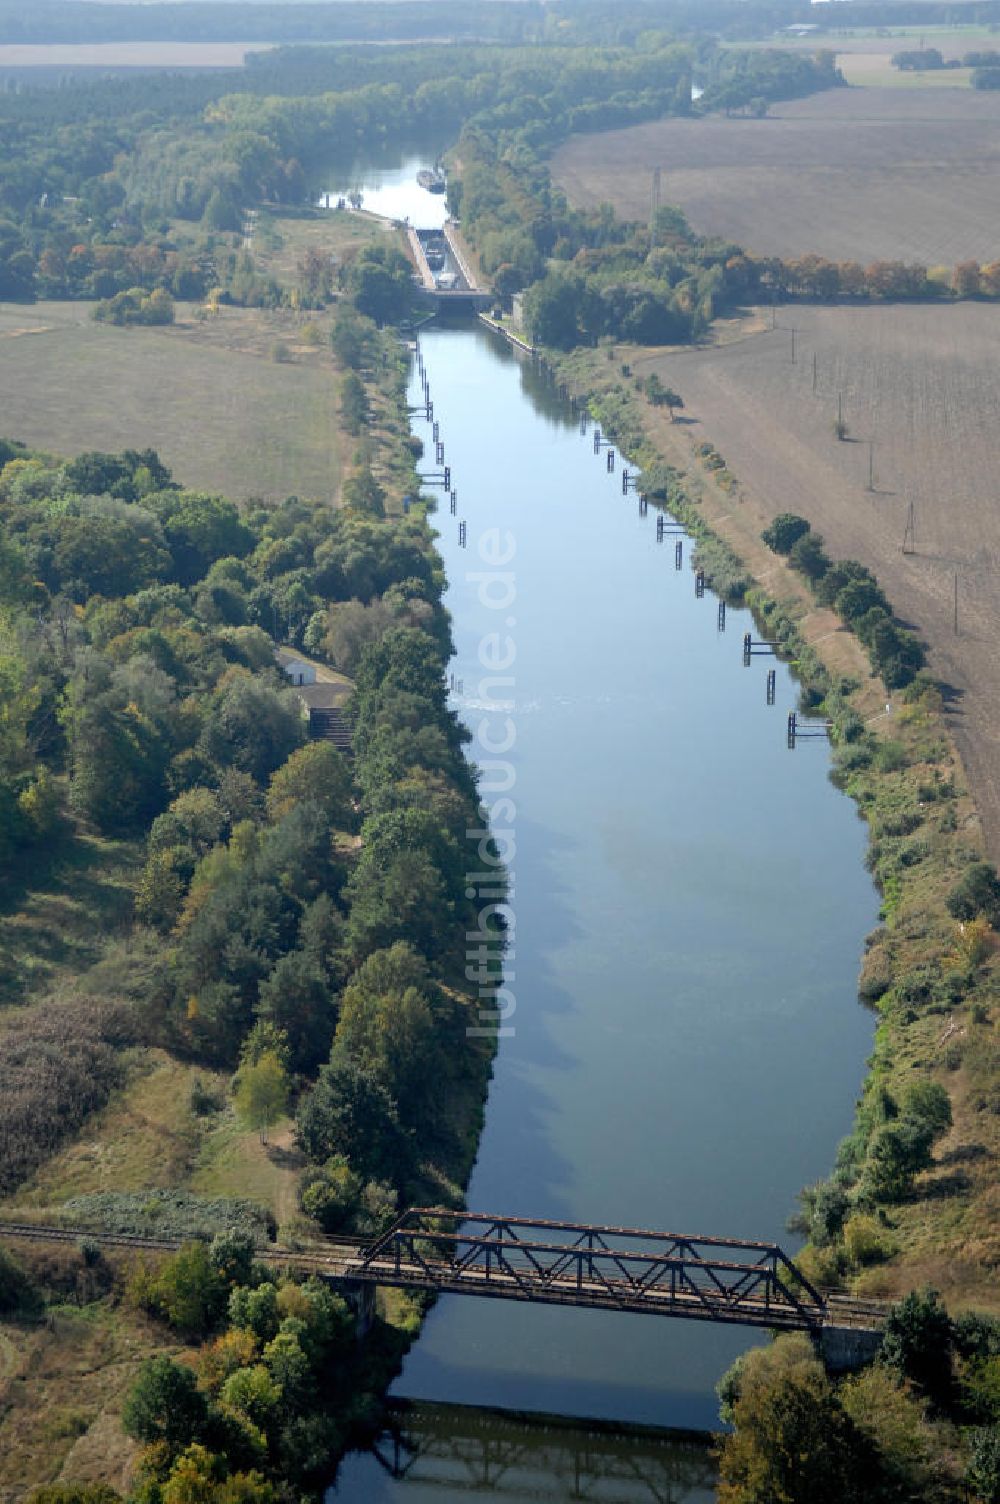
809 557
876 975
165 1405
863 1241
188 1292
169 1214
898 1152
890 756
205 1098
984 1471
784 532
976 892
18 1295
330 1194
918 1343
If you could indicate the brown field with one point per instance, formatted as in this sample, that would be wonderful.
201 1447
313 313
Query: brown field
209 396
128 54
921 382
852 174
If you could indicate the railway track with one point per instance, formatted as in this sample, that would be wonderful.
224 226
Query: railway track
343 1258
319 1259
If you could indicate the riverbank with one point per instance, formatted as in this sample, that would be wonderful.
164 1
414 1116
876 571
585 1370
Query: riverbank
933 994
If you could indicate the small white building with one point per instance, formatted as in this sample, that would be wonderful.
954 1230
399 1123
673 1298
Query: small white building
299 672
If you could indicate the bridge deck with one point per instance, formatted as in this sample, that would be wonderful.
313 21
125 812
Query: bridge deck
669 1275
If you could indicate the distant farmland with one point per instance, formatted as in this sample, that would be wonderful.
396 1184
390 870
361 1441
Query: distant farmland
128 54
223 414
923 383
852 174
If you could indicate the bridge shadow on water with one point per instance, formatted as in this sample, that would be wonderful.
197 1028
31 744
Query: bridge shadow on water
461 1451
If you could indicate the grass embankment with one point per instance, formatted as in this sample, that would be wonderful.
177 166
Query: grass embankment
934 994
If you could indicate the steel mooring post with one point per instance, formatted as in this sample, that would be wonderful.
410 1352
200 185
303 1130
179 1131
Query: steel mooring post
679 554
772 685
747 644
699 583
611 461
792 723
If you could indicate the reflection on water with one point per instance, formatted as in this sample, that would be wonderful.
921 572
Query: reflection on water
429 1452
390 189
687 1039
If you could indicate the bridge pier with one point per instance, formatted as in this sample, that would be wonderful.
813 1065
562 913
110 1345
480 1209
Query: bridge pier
360 1296
844 1349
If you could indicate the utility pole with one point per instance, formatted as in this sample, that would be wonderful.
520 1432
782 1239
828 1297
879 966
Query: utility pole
871 465
956 602
910 531
793 347
814 370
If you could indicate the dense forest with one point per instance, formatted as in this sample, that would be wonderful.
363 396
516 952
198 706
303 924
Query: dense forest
131 185
298 914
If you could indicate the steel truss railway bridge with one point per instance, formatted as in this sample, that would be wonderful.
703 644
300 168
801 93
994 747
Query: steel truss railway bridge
723 1280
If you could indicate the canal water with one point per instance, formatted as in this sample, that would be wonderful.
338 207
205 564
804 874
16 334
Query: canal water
690 902
390 189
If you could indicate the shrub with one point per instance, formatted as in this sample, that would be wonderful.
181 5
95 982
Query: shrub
165 1405
784 532
17 1294
890 756
876 975
918 1343
189 1293
984 1470
976 892
170 1214
205 1098
898 1152
927 1103
809 557
331 1193
863 1241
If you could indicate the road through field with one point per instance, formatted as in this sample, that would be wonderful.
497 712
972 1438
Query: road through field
923 385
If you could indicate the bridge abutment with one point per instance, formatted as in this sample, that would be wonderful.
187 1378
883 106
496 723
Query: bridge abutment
844 1349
